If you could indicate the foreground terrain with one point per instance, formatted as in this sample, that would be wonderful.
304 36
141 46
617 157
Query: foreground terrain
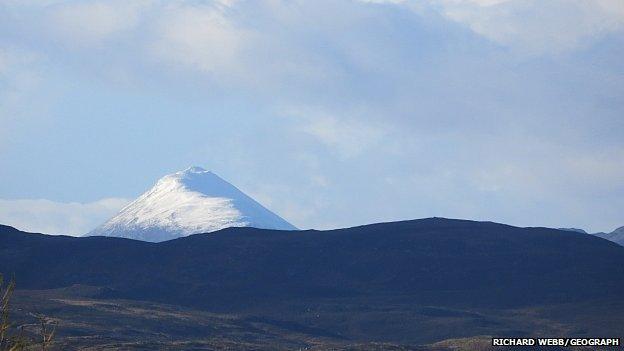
417 285
86 323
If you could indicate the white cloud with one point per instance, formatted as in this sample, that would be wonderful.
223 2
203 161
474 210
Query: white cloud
531 26
92 22
343 133
45 216
259 45
385 1
479 2
539 26
200 36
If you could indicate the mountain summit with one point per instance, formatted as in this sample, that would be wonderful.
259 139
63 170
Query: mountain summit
187 202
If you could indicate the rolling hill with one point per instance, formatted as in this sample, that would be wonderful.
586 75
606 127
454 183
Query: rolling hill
359 282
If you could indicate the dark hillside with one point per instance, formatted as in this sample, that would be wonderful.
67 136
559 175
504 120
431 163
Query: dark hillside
437 261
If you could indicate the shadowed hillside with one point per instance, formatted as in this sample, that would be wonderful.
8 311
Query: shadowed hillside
385 281
435 260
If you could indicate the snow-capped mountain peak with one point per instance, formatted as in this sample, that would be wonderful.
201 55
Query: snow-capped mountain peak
187 202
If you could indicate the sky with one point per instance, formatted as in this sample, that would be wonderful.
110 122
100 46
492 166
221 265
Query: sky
330 113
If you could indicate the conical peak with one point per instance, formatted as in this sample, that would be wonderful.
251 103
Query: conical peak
196 179
190 201
194 170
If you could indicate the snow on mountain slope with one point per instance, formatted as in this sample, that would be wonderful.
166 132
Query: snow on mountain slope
188 202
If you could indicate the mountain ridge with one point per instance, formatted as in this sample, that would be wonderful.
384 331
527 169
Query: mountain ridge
616 236
439 259
408 281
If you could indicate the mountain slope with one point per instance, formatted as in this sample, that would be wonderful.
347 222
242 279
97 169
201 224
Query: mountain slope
188 202
408 282
434 260
617 236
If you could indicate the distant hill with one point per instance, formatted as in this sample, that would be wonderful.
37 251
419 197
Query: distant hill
617 236
188 202
434 260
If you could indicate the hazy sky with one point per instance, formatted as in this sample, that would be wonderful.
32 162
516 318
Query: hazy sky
331 113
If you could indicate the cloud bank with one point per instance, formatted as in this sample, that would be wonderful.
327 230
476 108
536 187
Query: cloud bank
49 217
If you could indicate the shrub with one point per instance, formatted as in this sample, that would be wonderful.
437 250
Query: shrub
12 339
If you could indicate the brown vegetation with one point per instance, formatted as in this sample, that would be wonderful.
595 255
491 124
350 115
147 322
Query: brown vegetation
12 338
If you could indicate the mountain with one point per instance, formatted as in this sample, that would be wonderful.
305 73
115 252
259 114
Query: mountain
188 202
411 281
617 236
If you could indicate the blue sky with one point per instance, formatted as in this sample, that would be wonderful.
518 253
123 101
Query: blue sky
331 113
